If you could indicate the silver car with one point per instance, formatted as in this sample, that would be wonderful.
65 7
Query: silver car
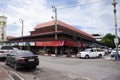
4 50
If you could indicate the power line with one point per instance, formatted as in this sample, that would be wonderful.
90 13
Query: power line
59 8
81 4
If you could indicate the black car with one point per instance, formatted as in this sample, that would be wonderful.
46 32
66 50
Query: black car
20 59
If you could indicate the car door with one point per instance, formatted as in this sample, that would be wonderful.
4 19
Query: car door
93 53
9 57
12 58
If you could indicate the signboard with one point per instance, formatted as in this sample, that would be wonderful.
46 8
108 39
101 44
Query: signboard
50 43
32 43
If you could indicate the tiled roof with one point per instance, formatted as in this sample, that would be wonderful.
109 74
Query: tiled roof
46 24
51 23
10 37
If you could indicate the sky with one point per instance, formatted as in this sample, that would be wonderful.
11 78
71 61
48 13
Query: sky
91 16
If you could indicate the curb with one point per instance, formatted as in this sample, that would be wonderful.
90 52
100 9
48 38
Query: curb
53 55
16 76
10 73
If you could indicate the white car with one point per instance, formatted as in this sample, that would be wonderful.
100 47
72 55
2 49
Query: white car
114 51
4 50
91 52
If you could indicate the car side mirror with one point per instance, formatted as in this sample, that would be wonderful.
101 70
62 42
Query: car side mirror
91 50
8 54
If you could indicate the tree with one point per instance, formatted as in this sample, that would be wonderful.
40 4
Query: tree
108 40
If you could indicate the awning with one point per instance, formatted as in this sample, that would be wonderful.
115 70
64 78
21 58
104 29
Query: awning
58 43
50 43
71 43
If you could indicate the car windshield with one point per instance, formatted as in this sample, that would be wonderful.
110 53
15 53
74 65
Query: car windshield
24 53
115 49
7 48
15 48
87 50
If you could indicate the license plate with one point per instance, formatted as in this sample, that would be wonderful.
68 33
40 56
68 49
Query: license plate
31 59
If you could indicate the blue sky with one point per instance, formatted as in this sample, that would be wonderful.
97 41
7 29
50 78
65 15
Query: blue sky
91 16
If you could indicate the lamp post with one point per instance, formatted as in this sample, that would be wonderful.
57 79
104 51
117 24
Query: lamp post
116 37
22 23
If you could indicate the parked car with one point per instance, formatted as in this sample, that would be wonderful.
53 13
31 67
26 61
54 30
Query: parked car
4 50
91 52
20 59
109 50
114 51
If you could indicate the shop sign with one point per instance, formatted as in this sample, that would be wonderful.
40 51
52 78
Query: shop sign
21 43
50 43
32 43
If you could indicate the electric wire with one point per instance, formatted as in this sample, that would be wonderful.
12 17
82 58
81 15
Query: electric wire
85 4
59 8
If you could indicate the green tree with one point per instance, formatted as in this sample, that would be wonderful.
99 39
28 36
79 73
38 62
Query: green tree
108 40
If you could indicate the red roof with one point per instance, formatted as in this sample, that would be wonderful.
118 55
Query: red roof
51 23
10 37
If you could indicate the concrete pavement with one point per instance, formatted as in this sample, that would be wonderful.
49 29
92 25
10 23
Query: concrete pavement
4 75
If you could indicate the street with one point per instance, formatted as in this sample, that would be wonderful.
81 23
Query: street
58 68
93 69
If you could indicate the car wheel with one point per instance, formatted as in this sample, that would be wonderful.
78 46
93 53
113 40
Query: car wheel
34 67
15 67
86 56
100 56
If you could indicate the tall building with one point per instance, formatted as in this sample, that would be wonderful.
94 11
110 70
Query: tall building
3 21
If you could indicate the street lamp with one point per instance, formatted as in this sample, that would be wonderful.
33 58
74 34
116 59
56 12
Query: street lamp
22 23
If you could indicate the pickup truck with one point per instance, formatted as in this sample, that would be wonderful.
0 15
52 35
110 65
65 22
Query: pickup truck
91 52
4 50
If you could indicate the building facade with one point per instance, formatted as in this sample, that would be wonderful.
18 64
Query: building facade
98 37
3 21
43 39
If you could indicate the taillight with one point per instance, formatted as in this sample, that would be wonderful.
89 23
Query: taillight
22 59
1 51
36 58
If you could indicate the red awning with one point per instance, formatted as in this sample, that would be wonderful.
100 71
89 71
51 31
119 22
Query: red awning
50 43
71 43
58 43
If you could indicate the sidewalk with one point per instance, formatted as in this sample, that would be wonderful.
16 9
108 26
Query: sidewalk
4 75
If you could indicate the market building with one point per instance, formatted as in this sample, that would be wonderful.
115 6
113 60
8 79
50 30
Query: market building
47 39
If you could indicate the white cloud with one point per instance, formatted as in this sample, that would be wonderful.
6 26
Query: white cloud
29 11
98 15
93 18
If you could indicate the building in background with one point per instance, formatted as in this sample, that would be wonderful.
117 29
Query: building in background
98 37
3 21
69 39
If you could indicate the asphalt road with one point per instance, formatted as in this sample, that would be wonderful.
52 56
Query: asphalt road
89 69
57 68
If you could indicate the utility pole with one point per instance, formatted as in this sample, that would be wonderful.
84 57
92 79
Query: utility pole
22 23
115 21
55 20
